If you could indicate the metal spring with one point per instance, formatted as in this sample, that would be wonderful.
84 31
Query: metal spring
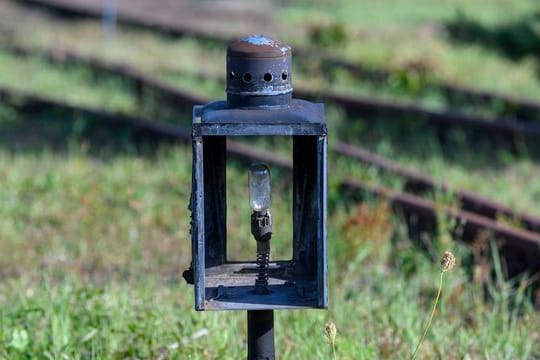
262 263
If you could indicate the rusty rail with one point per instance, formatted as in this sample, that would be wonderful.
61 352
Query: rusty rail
420 183
142 127
522 109
25 101
522 247
502 128
415 181
94 10
519 244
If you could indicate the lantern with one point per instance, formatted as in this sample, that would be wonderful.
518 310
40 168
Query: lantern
259 103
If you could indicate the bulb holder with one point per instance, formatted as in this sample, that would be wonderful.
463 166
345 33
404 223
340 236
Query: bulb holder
261 226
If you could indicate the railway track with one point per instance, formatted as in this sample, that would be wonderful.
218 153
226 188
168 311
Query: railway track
501 130
519 248
138 126
415 182
514 107
418 183
454 93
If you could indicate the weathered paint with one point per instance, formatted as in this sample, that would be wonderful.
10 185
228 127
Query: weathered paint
258 40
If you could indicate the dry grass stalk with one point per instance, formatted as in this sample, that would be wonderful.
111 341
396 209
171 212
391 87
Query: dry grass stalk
331 333
448 260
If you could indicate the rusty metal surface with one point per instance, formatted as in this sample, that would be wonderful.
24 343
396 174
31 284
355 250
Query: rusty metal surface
502 129
420 183
259 70
469 201
521 109
524 241
230 286
521 248
258 47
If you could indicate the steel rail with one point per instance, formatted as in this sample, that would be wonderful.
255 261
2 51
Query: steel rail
366 107
414 181
420 183
519 245
523 109
94 10
142 127
503 128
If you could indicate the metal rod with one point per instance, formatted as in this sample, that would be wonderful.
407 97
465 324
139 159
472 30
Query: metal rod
506 127
520 245
422 183
260 334
526 109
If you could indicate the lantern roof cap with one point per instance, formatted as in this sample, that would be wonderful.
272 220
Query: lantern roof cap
258 47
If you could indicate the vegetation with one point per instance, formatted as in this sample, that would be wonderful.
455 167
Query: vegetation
94 226
447 263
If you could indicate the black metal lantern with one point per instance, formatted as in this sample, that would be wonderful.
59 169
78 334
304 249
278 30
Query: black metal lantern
259 103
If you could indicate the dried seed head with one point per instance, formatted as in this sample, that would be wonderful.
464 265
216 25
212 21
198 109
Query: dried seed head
448 261
331 332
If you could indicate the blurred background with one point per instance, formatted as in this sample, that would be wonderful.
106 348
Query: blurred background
433 112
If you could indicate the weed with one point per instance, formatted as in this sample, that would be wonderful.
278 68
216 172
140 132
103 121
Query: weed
331 333
447 263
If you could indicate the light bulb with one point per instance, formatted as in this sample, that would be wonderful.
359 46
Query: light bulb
260 195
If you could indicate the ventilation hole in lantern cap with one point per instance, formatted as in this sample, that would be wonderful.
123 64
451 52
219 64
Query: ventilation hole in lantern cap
247 77
267 77
284 76
231 75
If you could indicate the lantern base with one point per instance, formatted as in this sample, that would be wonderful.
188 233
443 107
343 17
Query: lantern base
231 287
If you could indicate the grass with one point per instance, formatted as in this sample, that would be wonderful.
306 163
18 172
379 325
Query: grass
148 316
83 286
385 12
74 84
447 263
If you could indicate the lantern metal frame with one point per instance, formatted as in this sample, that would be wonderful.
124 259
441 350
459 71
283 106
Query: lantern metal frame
259 103
227 285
